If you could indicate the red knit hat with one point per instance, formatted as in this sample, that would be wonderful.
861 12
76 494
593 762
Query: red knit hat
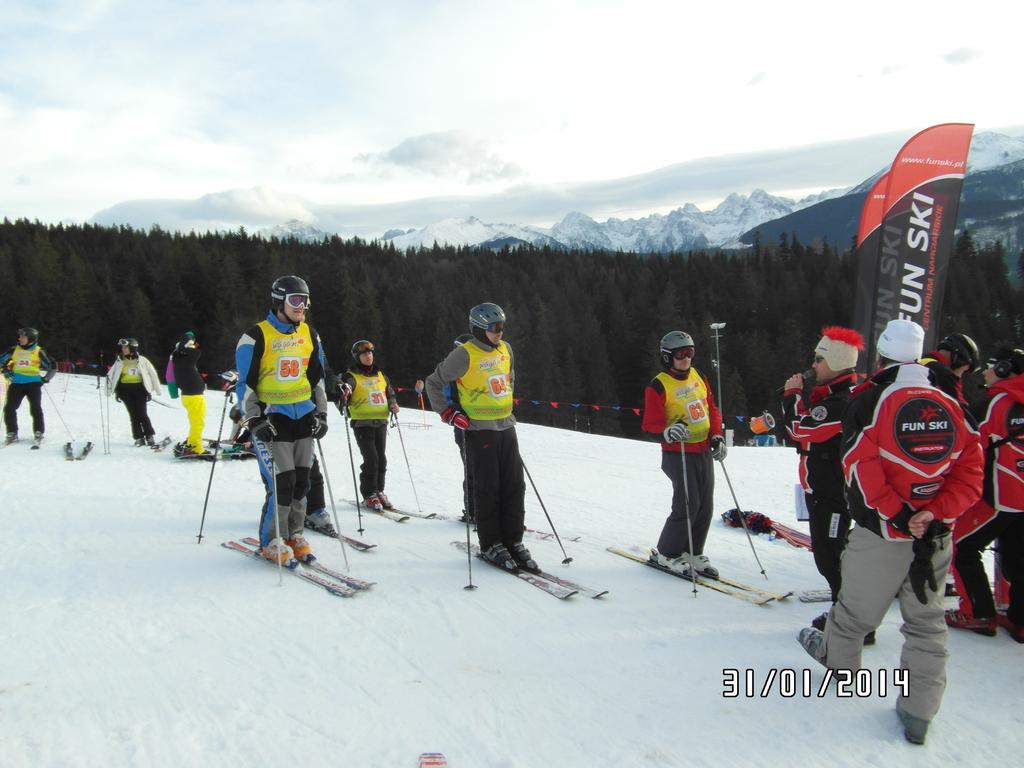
839 346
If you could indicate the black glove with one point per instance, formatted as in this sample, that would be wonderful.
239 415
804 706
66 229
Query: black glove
718 449
921 571
262 429
320 426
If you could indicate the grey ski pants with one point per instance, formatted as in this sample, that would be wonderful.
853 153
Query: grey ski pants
874 571
696 496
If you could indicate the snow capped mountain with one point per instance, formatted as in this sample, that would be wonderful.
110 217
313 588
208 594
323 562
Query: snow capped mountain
469 231
683 229
294 228
990 150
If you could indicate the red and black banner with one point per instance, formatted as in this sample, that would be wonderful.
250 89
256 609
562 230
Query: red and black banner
915 237
867 269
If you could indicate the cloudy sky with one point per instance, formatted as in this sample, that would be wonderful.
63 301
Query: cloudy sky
399 113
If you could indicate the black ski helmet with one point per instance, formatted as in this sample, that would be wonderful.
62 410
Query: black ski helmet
363 345
129 341
482 318
285 285
962 351
672 341
31 333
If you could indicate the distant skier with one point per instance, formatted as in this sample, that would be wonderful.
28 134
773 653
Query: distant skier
284 406
482 373
133 380
680 409
28 367
370 399
183 378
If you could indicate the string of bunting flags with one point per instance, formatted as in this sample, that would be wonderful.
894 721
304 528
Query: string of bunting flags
556 404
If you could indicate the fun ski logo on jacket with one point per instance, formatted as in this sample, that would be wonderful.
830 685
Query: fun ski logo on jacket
924 430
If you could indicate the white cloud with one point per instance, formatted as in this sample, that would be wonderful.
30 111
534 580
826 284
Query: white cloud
446 154
454 98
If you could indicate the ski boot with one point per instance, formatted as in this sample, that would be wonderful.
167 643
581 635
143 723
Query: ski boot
960 620
300 548
384 501
372 503
499 556
523 558
276 551
12 437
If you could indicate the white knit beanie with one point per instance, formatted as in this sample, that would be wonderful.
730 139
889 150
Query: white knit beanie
901 341
839 346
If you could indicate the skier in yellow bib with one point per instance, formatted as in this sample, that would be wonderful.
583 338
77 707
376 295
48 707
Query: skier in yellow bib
370 399
284 406
472 390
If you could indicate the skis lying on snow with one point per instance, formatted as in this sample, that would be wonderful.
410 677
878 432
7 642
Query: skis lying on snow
362 546
161 445
333 587
726 586
316 565
553 585
389 514
69 452
792 535
815 596
531 532
433 760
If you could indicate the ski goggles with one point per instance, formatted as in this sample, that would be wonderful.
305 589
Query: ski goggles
498 327
297 300
126 342
683 353
366 347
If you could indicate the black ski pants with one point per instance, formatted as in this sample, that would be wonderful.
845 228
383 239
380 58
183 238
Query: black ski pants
499 489
33 391
135 397
372 442
467 476
829 525
969 572
699 491
315 500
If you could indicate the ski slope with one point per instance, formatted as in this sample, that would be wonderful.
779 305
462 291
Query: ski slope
126 643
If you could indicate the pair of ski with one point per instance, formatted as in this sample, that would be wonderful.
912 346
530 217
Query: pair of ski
553 585
395 514
314 572
531 532
726 586
362 546
69 452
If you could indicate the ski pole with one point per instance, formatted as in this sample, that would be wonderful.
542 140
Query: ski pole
465 504
213 466
330 494
567 559
352 462
395 424
739 513
689 529
103 428
55 408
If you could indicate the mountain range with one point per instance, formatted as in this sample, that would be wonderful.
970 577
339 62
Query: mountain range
992 207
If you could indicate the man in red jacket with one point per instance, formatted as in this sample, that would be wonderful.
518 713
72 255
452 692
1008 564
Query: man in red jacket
680 409
1000 512
912 465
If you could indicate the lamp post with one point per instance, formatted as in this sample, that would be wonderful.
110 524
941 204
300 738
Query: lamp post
716 327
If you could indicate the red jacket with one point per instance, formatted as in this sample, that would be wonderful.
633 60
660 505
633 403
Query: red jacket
654 414
1004 458
907 447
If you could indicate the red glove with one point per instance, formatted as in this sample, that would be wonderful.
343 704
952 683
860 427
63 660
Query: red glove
455 417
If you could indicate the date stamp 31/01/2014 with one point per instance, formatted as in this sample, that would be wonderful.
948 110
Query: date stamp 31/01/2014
793 683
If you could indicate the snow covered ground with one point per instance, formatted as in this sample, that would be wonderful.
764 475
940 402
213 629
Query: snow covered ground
124 643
